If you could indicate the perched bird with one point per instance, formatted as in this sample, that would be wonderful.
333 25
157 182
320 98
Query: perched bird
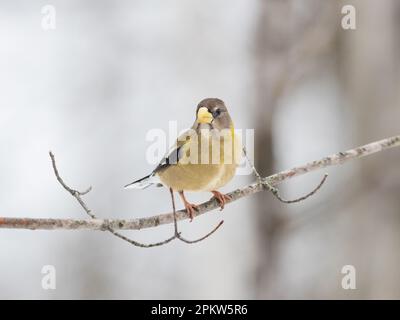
204 158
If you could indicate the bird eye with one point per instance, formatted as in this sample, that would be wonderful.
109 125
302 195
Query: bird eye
216 113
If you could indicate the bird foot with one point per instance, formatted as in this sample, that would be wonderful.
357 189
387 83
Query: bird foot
190 208
222 198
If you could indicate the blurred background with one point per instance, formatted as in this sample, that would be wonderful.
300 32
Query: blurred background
90 89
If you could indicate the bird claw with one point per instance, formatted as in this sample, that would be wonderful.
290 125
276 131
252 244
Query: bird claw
221 198
190 209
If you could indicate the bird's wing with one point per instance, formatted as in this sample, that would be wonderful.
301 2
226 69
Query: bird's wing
176 152
171 158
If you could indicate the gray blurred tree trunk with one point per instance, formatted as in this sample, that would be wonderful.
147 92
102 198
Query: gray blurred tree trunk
370 75
271 46
289 36
364 229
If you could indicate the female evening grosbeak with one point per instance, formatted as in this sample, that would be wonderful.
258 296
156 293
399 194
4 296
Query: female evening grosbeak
204 157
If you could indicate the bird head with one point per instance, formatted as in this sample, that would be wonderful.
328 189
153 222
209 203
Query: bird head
213 113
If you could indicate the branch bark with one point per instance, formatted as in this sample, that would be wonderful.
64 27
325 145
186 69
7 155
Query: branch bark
262 184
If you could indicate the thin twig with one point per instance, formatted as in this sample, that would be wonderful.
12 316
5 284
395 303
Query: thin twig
275 191
78 196
161 219
178 234
251 164
138 244
75 193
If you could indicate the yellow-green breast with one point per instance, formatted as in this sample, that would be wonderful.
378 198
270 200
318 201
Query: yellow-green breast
187 176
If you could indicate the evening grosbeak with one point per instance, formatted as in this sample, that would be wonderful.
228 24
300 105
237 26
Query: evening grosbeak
204 158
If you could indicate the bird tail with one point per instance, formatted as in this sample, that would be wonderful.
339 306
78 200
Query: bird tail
144 182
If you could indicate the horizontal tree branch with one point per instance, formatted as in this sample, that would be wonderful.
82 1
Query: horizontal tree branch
154 221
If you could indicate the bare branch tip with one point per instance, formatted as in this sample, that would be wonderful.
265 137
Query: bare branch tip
276 193
86 191
178 235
